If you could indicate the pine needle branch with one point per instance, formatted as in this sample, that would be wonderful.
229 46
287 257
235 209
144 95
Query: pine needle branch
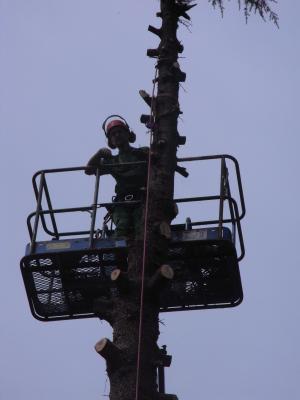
262 7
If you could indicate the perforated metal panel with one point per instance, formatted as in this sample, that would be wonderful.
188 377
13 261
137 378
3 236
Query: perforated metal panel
206 276
64 284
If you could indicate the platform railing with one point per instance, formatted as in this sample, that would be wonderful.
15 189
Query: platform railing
237 172
41 188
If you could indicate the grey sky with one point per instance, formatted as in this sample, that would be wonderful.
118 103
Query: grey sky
65 66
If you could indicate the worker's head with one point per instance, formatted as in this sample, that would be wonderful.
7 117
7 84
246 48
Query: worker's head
118 133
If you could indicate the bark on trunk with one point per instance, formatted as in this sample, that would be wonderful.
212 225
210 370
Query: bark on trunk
121 355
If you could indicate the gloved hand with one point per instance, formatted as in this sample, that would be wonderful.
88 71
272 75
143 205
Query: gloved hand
104 153
95 161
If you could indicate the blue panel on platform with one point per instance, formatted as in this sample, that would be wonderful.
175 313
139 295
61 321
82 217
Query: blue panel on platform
202 234
59 246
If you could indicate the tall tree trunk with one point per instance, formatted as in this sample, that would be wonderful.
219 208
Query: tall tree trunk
124 311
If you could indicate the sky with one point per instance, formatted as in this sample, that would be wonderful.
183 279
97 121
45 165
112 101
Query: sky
68 64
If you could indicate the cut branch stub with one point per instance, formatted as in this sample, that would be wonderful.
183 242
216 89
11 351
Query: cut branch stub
162 143
165 396
175 209
179 75
148 120
182 9
164 274
121 280
108 351
180 47
182 171
166 271
147 98
165 230
181 140
153 53
154 30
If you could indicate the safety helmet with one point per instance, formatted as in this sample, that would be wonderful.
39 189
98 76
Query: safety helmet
113 123
107 126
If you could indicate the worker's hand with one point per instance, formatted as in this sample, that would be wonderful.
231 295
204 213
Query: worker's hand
104 153
89 170
96 161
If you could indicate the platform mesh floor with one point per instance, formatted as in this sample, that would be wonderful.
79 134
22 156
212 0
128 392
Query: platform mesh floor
62 286
206 276
65 285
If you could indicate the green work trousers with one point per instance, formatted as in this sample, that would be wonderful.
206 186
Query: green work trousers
128 220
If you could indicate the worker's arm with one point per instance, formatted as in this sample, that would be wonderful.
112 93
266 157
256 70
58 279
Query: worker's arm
144 150
142 153
97 160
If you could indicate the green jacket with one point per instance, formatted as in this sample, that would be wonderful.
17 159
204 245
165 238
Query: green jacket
130 179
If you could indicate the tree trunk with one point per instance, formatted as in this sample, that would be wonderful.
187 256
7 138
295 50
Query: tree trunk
124 315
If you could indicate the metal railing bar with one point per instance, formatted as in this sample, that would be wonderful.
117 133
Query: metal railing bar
88 208
221 202
83 168
37 213
75 233
211 222
234 219
237 169
240 233
58 211
54 170
216 222
44 225
197 198
94 208
51 209
241 192
75 209
205 198
70 169
29 225
201 158
62 210
231 211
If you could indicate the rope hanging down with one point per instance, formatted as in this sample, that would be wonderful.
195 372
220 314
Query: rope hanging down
145 241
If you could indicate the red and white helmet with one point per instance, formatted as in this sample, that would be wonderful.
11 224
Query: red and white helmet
108 125
113 123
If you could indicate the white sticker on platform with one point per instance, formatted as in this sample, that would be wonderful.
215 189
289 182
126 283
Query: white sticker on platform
195 235
58 245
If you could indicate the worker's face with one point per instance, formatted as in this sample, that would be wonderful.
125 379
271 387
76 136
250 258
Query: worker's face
119 136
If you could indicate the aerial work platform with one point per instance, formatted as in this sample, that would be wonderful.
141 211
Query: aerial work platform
66 274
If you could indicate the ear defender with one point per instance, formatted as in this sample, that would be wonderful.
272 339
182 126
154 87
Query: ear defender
132 137
108 125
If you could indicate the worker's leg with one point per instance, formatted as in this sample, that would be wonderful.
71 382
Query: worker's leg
137 217
121 217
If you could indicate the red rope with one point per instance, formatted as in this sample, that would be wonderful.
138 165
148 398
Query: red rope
144 248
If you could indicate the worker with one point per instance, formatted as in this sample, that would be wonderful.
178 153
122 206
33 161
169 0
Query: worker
131 180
